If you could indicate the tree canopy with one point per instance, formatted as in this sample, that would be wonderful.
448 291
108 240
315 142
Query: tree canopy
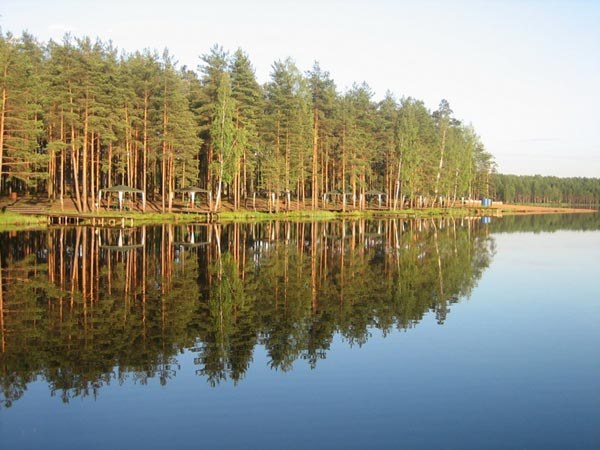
575 191
79 115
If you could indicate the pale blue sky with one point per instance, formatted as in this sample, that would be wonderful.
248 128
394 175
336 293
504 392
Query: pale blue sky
526 74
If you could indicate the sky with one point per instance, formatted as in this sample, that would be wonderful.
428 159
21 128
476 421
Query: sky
525 74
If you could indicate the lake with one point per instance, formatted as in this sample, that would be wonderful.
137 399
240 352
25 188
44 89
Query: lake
447 334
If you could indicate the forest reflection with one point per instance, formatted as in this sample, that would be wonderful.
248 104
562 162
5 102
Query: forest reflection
84 307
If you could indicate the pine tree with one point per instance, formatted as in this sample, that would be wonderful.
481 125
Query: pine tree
359 140
213 65
444 120
388 158
140 81
224 137
179 142
288 129
417 139
323 95
248 98
22 162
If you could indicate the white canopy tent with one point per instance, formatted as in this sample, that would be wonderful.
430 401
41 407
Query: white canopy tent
121 191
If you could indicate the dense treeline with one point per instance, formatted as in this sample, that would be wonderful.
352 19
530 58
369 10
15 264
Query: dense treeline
548 190
79 115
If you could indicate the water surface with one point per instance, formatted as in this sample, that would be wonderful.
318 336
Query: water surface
348 334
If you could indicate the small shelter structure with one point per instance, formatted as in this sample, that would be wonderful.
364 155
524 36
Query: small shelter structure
335 196
375 194
191 193
122 190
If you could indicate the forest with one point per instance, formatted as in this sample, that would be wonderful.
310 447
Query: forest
539 189
80 115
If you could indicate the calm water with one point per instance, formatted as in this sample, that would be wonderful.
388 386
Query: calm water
365 334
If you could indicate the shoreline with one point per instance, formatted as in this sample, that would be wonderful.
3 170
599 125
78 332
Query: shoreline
11 220
513 209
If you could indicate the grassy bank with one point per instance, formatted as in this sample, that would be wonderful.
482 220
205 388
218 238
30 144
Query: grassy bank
10 221
238 216
149 218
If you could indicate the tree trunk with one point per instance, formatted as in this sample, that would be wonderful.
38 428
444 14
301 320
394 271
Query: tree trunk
441 164
84 165
344 169
92 169
3 120
50 186
109 181
145 162
171 179
315 187
127 147
398 182
287 160
219 187
455 193
75 168
164 152
98 156
63 140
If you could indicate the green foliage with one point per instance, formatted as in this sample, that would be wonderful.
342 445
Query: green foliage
223 132
574 191
21 157
79 115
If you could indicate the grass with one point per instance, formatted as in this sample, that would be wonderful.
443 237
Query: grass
237 216
148 218
11 221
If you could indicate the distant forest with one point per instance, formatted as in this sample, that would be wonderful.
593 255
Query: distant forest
546 190
80 115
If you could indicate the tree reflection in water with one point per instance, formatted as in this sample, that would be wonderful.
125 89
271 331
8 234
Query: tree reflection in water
84 307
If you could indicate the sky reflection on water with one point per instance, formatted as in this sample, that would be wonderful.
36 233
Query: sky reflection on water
514 365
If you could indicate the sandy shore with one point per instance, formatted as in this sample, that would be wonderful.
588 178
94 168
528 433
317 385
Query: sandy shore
528 209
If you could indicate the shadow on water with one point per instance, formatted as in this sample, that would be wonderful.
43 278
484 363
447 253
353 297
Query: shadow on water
83 307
